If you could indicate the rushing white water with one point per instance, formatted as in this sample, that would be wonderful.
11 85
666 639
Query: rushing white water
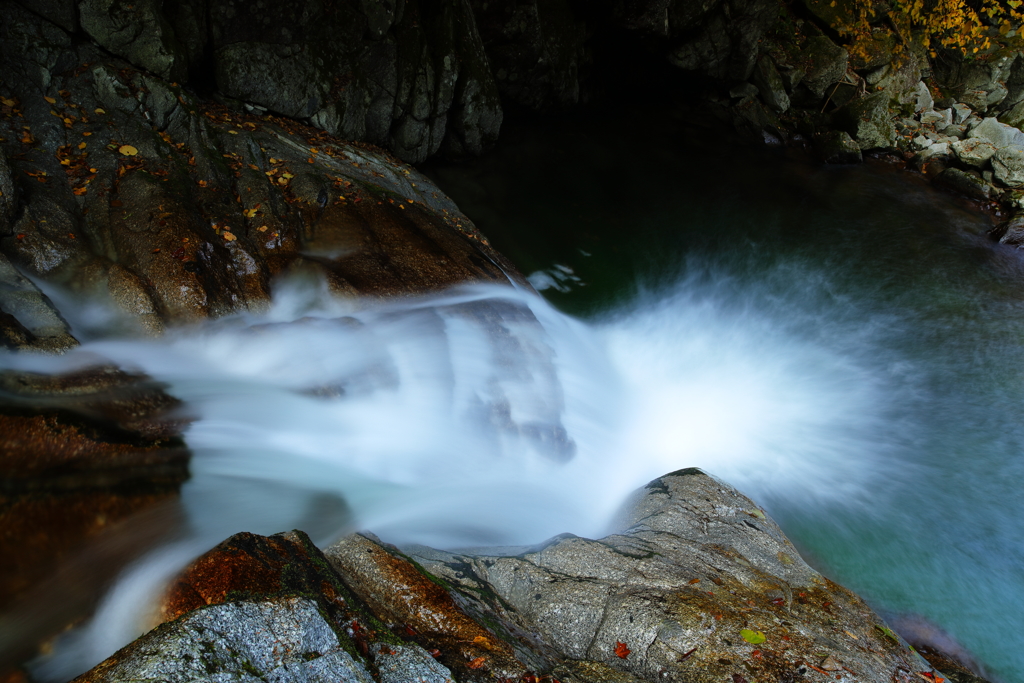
483 416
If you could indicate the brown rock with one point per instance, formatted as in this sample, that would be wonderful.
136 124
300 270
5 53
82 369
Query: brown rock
409 599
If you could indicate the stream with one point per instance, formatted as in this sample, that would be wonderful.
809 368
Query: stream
843 344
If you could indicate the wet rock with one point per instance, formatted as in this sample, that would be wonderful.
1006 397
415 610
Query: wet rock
268 607
965 183
401 594
674 591
699 584
837 147
206 205
1008 166
974 152
999 134
1013 232
277 639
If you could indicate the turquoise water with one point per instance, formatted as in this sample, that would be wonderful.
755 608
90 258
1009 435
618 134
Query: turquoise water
781 261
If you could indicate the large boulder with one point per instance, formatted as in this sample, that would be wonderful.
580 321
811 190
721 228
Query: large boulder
999 134
868 121
1008 166
826 64
699 585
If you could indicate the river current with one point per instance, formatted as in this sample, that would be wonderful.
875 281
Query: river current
844 345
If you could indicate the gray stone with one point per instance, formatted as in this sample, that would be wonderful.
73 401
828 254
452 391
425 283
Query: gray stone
955 131
938 118
922 142
827 64
999 134
689 545
923 100
1008 166
769 84
138 32
936 149
960 112
868 121
910 124
404 663
974 151
284 639
964 183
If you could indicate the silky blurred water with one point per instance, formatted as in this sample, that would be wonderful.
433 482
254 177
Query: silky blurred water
842 344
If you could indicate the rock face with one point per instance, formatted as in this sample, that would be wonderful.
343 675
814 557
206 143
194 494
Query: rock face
129 188
698 586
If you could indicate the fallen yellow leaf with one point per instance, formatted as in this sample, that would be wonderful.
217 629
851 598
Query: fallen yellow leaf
128 150
97 110
262 228
228 236
81 145
233 132
50 100
6 102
